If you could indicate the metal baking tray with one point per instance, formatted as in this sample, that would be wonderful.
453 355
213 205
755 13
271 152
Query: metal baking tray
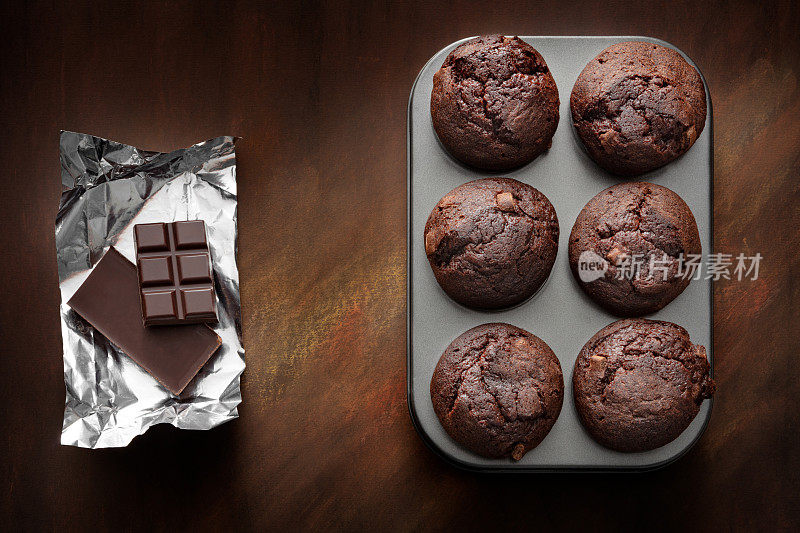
559 313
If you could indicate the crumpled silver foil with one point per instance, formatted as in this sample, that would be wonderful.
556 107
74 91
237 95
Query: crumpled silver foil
109 187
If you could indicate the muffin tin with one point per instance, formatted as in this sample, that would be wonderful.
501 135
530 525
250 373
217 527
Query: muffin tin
560 313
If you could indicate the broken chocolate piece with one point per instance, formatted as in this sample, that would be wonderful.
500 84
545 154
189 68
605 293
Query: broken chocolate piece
109 301
175 276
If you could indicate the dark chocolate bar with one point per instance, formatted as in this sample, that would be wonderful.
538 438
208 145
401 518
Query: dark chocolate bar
109 301
174 265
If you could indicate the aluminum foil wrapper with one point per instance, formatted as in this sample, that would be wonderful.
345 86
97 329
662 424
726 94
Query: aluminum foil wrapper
109 187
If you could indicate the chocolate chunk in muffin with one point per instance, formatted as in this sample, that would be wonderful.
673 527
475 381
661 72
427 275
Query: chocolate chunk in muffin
637 106
638 384
494 103
492 242
637 238
498 390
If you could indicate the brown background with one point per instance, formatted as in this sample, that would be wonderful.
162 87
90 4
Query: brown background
318 92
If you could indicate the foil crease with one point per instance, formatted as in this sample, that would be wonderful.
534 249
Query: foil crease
109 187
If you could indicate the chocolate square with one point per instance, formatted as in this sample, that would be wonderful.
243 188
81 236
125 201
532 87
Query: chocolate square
151 237
193 268
198 303
190 234
159 304
154 271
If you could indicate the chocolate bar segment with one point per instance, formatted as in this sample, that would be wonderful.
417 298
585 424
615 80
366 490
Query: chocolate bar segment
151 237
175 277
190 234
109 300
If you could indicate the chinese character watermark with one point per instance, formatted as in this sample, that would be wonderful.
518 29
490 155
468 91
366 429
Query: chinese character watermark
621 265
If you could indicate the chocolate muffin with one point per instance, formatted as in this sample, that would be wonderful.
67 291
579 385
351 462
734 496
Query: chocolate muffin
639 383
492 242
494 103
637 106
498 390
629 246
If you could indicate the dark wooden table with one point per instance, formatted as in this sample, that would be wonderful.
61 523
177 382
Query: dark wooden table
318 92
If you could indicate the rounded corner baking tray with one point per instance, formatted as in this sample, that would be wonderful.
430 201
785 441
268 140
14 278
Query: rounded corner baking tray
559 313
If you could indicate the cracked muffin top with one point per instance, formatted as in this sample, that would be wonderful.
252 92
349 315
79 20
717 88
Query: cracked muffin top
492 242
494 103
498 390
638 384
637 106
641 237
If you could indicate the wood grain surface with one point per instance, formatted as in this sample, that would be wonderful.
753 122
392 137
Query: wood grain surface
318 93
